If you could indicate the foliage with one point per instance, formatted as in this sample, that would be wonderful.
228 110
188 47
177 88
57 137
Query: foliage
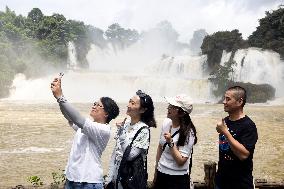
269 35
213 45
35 181
163 32
220 77
96 35
6 76
270 32
119 37
166 29
58 178
36 44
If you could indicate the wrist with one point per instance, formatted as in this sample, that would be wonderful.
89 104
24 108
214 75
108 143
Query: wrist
61 99
226 133
171 144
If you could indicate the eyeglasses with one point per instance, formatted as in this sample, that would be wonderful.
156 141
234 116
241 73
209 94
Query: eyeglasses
142 95
98 105
170 107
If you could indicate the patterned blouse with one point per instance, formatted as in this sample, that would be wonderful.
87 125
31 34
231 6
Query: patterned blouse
123 137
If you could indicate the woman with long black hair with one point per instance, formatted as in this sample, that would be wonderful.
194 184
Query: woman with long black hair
178 135
140 110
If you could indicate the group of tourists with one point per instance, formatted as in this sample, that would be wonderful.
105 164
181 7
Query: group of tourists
128 162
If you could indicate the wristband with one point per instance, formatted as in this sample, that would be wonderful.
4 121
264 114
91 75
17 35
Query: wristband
61 99
171 144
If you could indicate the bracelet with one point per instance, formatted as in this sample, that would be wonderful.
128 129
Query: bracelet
171 144
61 99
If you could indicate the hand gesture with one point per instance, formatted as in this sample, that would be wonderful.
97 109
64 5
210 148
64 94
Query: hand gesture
120 124
56 87
221 127
168 136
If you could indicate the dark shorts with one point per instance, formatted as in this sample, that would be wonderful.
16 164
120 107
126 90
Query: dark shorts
165 181
82 185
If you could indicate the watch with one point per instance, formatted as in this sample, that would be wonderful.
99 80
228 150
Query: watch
171 144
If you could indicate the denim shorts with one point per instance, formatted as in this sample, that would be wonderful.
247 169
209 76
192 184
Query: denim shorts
82 185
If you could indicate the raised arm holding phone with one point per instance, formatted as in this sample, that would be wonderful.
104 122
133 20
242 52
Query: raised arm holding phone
84 169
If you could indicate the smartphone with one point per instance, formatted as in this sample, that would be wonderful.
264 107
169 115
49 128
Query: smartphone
61 74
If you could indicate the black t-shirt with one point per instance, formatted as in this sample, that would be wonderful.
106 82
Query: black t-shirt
232 172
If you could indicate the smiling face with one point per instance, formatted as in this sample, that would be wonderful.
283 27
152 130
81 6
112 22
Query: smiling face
98 113
134 107
231 103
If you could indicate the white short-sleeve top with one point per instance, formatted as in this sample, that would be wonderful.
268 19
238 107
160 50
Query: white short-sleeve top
167 164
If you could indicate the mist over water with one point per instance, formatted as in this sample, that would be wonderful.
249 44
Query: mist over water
259 67
72 60
119 73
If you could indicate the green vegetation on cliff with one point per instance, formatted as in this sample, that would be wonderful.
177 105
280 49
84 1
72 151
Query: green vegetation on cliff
268 35
213 46
270 32
37 44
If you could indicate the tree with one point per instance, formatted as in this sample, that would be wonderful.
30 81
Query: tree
96 36
270 32
213 46
119 37
167 30
35 15
163 32
34 43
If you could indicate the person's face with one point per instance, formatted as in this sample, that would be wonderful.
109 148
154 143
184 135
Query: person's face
173 111
97 112
231 104
134 106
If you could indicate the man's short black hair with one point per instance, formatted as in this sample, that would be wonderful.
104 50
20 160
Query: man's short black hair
110 107
239 93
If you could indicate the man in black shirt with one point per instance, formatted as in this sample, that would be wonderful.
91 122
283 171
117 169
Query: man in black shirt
237 139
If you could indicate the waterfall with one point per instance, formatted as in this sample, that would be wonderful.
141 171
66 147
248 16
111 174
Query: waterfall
72 56
120 74
89 86
187 67
258 66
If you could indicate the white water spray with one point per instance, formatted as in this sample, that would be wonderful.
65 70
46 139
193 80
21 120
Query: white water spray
72 56
120 74
257 66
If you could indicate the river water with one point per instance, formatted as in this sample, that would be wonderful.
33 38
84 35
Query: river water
35 140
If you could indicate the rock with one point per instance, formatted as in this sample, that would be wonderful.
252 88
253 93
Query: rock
257 93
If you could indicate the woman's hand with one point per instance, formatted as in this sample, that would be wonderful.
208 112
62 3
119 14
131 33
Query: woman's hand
56 88
155 178
168 137
120 124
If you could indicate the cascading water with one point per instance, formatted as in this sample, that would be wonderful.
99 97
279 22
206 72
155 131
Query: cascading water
159 77
72 60
257 66
120 73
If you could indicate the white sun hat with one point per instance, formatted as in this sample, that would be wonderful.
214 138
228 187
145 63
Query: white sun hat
183 101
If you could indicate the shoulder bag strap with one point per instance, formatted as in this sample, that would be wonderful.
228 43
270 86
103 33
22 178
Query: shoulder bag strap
190 163
171 137
136 134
